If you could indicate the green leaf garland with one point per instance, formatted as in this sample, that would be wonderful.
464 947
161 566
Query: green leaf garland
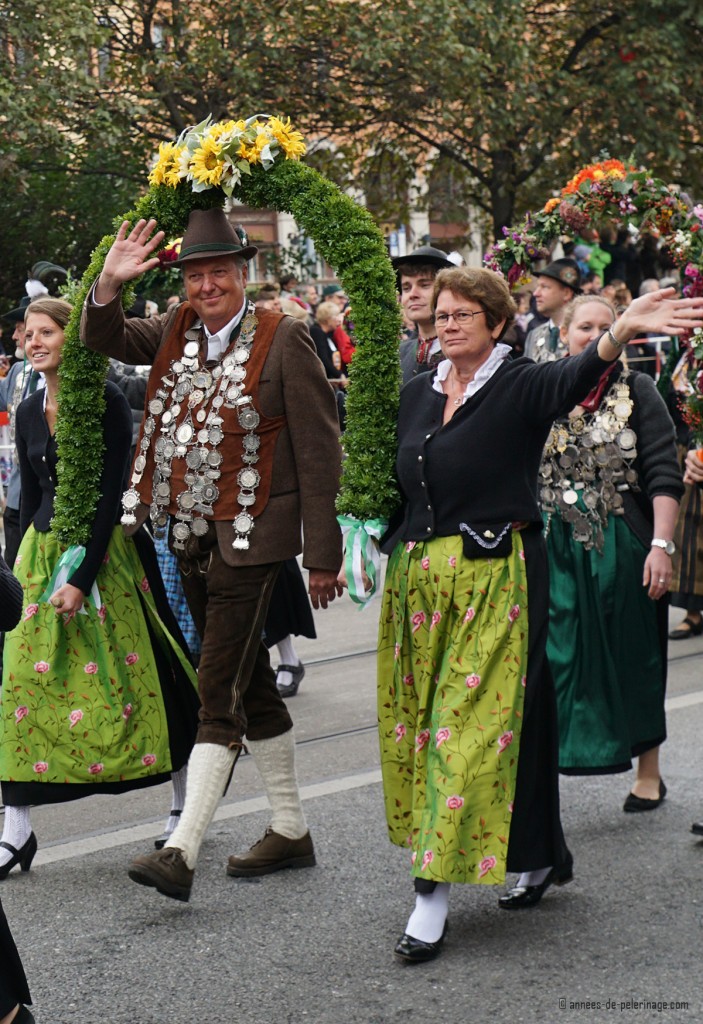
347 238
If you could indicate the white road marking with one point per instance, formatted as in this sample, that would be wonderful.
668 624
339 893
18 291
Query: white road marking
149 831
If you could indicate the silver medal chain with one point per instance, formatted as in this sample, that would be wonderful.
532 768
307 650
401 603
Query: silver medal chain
196 439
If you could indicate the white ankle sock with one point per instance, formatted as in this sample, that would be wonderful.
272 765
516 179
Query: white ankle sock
209 769
286 656
532 877
427 920
178 796
16 831
275 759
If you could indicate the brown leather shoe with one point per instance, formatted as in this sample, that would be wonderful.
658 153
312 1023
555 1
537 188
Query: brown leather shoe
166 871
272 853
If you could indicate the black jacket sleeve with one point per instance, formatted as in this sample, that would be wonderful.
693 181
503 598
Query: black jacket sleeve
31 492
545 391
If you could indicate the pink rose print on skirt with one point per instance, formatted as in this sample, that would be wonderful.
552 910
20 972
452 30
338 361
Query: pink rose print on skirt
452 562
442 737
90 669
413 857
427 859
29 611
21 712
486 865
40 767
522 554
510 806
41 666
127 711
75 717
425 563
148 760
505 740
132 658
470 613
409 680
95 769
410 545
422 739
523 681
396 652
436 617
418 621
514 613
144 585
455 802
102 613
400 732
473 681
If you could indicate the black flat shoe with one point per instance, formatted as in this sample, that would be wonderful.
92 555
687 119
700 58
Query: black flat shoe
414 951
165 836
23 857
697 828
297 672
520 897
686 628
633 804
23 1016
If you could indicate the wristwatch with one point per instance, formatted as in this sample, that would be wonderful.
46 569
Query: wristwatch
665 545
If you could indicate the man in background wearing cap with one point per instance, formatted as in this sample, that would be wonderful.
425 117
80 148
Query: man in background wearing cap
240 442
415 274
556 286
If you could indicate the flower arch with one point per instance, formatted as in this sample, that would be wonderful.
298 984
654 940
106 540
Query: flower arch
257 160
605 192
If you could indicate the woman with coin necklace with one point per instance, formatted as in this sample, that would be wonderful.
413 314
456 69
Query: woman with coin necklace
610 488
98 695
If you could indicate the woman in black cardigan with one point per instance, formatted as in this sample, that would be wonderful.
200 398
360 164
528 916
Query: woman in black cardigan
466 700
98 695
14 992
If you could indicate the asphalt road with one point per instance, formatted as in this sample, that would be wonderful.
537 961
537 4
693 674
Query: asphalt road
315 946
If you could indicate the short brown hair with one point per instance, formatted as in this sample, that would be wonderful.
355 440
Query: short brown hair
417 270
486 287
57 310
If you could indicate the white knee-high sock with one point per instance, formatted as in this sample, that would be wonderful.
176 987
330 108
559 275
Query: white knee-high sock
275 759
16 830
427 920
209 769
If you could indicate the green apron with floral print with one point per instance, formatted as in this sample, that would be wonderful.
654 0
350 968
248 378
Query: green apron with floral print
452 665
82 700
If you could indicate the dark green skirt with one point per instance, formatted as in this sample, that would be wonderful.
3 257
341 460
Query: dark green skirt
605 651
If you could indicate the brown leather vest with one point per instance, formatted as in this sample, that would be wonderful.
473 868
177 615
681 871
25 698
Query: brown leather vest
226 507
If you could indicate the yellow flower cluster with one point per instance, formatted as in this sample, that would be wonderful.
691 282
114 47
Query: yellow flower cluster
216 155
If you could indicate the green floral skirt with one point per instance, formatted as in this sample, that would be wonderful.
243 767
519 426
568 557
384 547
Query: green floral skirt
82 701
452 665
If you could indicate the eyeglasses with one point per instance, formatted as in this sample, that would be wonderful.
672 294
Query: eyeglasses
464 316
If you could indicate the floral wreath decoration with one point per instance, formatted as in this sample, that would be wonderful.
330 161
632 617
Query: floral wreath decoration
611 192
256 160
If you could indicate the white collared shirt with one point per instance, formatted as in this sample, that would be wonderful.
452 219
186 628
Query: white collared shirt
219 343
482 375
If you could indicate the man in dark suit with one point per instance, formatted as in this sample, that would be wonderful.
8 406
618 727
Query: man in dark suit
240 443
415 274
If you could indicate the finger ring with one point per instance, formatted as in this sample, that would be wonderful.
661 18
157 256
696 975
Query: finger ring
58 603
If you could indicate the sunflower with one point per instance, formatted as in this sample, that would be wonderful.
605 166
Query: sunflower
205 164
178 168
290 140
252 152
160 170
